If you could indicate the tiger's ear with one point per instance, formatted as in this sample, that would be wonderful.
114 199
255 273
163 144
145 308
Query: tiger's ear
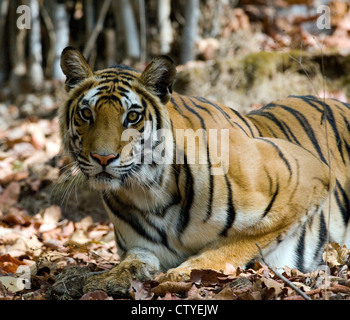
75 67
159 77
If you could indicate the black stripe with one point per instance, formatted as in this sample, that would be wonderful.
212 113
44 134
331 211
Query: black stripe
158 117
226 115
144 103
210 201
301 250
204 100
124 74
272 132
81 98
193 111
294 138
280 154
110 72
126 84
200 107
211 181
268 208
250 264
330 117
119 239
347 147
276 121
179 110
148 98
307 128
243 120
69 112
281 124
322 236
124 79
76 123
254 121
269 178
239 126
309 100
162 233
187 203
344 204
122 67
346 129
346 105
230 212
108 98
130 219
108 80
100 89
119 88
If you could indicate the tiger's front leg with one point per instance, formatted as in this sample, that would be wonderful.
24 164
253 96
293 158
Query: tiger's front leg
139 264
237 251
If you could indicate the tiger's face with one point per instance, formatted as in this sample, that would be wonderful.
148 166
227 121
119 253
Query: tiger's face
109 117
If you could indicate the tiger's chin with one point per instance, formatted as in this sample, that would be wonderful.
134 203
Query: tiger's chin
104 181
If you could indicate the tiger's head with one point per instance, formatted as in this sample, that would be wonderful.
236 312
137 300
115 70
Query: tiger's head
111 115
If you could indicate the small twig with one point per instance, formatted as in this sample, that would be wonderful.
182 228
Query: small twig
284 279
143 33
52 40
98 28
93 273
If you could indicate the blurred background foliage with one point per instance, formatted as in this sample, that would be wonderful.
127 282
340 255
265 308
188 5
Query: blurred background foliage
240 45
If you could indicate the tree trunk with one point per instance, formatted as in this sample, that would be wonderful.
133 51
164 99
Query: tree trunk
190 32
90 20
143 31
61 24
130 29
4 6
164 25
98 28
110 47
18 80
36 74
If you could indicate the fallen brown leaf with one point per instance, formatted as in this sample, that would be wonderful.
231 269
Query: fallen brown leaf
141 290
172 287
8 264
10 195
208 277
96 295
335 255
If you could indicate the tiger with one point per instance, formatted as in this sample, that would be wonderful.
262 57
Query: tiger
212 187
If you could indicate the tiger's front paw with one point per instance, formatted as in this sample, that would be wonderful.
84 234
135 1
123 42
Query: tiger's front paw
176 274
117 281
114 282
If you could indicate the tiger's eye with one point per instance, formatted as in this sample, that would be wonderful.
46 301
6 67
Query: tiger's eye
133 116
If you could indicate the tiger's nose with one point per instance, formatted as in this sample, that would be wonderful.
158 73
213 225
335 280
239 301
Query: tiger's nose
103 160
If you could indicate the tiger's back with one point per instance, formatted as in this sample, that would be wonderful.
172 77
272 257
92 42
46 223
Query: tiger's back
319 126
322 127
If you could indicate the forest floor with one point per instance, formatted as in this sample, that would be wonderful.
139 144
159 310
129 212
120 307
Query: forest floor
54 233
